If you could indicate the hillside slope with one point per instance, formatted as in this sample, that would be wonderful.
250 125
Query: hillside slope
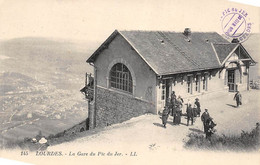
40 81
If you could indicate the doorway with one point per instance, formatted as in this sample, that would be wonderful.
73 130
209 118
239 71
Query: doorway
231 81
166 91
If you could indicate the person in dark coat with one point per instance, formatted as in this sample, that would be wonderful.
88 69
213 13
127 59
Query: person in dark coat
173 99
169 105
204 117
165 115
189 112
197 103
238 98
210 127
173 95
178 116
174 113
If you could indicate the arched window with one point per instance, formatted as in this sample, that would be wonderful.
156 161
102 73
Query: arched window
120 78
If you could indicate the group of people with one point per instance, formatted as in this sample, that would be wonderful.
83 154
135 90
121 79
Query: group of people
193 112
208 124
174 106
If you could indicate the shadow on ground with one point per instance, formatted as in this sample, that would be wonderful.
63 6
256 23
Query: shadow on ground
158 125
231 105
183 124
196 130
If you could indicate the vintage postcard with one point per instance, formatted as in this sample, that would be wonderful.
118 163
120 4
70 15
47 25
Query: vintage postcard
129 82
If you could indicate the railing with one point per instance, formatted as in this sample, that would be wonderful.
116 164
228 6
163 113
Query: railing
88 91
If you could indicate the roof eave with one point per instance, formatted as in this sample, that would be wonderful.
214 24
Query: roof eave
252 60
225 60
108 40
238 45
102 47
187 71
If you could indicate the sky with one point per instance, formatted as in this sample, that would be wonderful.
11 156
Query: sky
95 20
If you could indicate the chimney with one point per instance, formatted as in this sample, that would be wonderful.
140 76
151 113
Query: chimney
235 40
187 32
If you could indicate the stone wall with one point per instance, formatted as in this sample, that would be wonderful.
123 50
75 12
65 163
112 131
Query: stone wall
82 126
114 107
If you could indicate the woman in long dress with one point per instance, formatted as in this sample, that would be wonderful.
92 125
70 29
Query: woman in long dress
198 106
178 112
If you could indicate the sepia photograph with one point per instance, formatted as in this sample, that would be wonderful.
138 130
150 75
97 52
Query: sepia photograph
129 82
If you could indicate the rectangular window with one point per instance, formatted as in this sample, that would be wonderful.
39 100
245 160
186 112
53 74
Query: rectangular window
197 83
205 82
163 90
189 84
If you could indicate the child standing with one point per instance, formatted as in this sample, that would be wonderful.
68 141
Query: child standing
165 115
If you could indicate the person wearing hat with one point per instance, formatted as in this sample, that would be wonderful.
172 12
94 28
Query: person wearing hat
165 115
180 99
197 103
238 98
204 117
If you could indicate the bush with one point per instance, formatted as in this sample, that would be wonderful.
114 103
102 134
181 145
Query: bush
254 84
247 141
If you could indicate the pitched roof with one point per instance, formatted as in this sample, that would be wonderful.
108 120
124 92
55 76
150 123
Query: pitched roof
224 49
171 52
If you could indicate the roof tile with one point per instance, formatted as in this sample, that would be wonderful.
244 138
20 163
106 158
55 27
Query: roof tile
171 52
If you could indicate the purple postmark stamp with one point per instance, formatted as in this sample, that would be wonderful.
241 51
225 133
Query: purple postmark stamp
235 23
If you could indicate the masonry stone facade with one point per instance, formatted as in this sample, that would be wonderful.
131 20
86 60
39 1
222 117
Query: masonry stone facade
115 107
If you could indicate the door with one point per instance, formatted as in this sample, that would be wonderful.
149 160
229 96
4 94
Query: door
166 91
231 81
